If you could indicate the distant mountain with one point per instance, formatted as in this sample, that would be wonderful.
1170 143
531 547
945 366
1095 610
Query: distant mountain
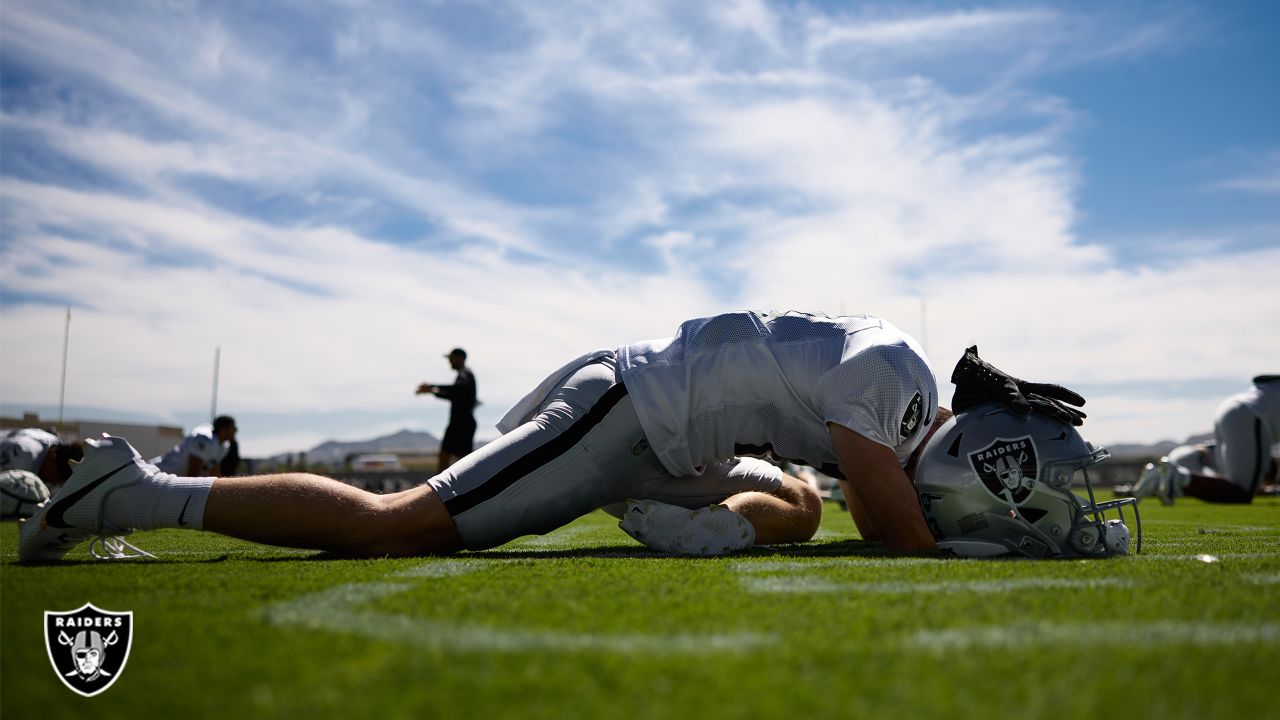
335 453
1134 451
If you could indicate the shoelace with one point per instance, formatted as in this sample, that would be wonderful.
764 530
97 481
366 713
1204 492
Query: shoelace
114 547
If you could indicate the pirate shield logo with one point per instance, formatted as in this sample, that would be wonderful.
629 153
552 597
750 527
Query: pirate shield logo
88 647
911 418
1007 468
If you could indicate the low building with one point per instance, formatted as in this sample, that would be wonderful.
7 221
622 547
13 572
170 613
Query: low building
150 440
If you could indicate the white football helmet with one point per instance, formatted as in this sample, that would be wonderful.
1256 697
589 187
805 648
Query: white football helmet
993 483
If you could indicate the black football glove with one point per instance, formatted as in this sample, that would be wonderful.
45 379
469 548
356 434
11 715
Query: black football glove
978 381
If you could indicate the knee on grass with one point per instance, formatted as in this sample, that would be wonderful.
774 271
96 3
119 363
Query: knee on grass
399 529
808 506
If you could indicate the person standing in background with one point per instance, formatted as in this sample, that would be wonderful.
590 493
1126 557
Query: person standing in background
459 436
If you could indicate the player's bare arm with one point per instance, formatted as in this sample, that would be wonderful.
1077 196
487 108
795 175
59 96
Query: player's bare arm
866 528
881 490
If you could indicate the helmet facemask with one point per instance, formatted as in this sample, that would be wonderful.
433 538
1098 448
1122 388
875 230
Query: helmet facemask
1080 527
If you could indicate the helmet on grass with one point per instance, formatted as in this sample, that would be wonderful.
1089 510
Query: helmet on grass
994 483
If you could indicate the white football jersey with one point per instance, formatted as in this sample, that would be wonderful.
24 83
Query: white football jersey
1264 400
201 444
747 383
25 449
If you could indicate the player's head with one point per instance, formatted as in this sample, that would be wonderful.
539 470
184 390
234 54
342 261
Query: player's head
457 358
995 483
224 427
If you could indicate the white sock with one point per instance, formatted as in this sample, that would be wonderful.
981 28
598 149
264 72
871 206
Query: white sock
165 501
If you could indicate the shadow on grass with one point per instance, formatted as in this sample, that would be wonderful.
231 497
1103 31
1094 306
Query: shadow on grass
91 562
841 548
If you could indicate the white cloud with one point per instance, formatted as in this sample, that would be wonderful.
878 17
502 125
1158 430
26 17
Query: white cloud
937 31
1263 180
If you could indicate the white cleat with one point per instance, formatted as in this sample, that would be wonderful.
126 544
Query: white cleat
712 530
75 513
1159 480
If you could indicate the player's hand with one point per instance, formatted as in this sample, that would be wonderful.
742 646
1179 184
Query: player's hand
425 388
978 381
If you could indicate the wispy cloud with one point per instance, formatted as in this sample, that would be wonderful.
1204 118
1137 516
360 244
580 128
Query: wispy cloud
942 31
1263 180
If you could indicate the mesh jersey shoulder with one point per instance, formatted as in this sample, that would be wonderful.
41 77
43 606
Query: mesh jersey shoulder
884 392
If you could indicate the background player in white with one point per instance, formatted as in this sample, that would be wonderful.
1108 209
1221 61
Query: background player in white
40 452
662 419
1230 470
200 453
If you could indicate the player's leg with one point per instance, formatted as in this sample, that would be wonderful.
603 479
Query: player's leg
309 511
780 507
789 514
1215 490
574 456
1194 459
1241 456
754 495
566 462
443 460
453 447
113 491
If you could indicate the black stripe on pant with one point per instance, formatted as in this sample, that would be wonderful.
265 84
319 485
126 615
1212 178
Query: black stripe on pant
538 457
1261 458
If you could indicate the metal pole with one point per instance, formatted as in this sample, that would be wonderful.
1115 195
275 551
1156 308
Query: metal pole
62 388
924 325
213 408
62 384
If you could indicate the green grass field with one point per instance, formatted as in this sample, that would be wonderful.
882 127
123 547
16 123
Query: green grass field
585 623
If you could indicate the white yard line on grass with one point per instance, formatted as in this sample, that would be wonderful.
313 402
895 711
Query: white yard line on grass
1216 556
1207 529
775 566
556 538
1031 636
1166 544
807 585
339 609
444 568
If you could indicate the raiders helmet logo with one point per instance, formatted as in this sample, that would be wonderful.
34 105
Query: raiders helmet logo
911 418
1008 468
88 647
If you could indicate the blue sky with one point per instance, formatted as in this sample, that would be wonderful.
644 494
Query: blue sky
336 193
